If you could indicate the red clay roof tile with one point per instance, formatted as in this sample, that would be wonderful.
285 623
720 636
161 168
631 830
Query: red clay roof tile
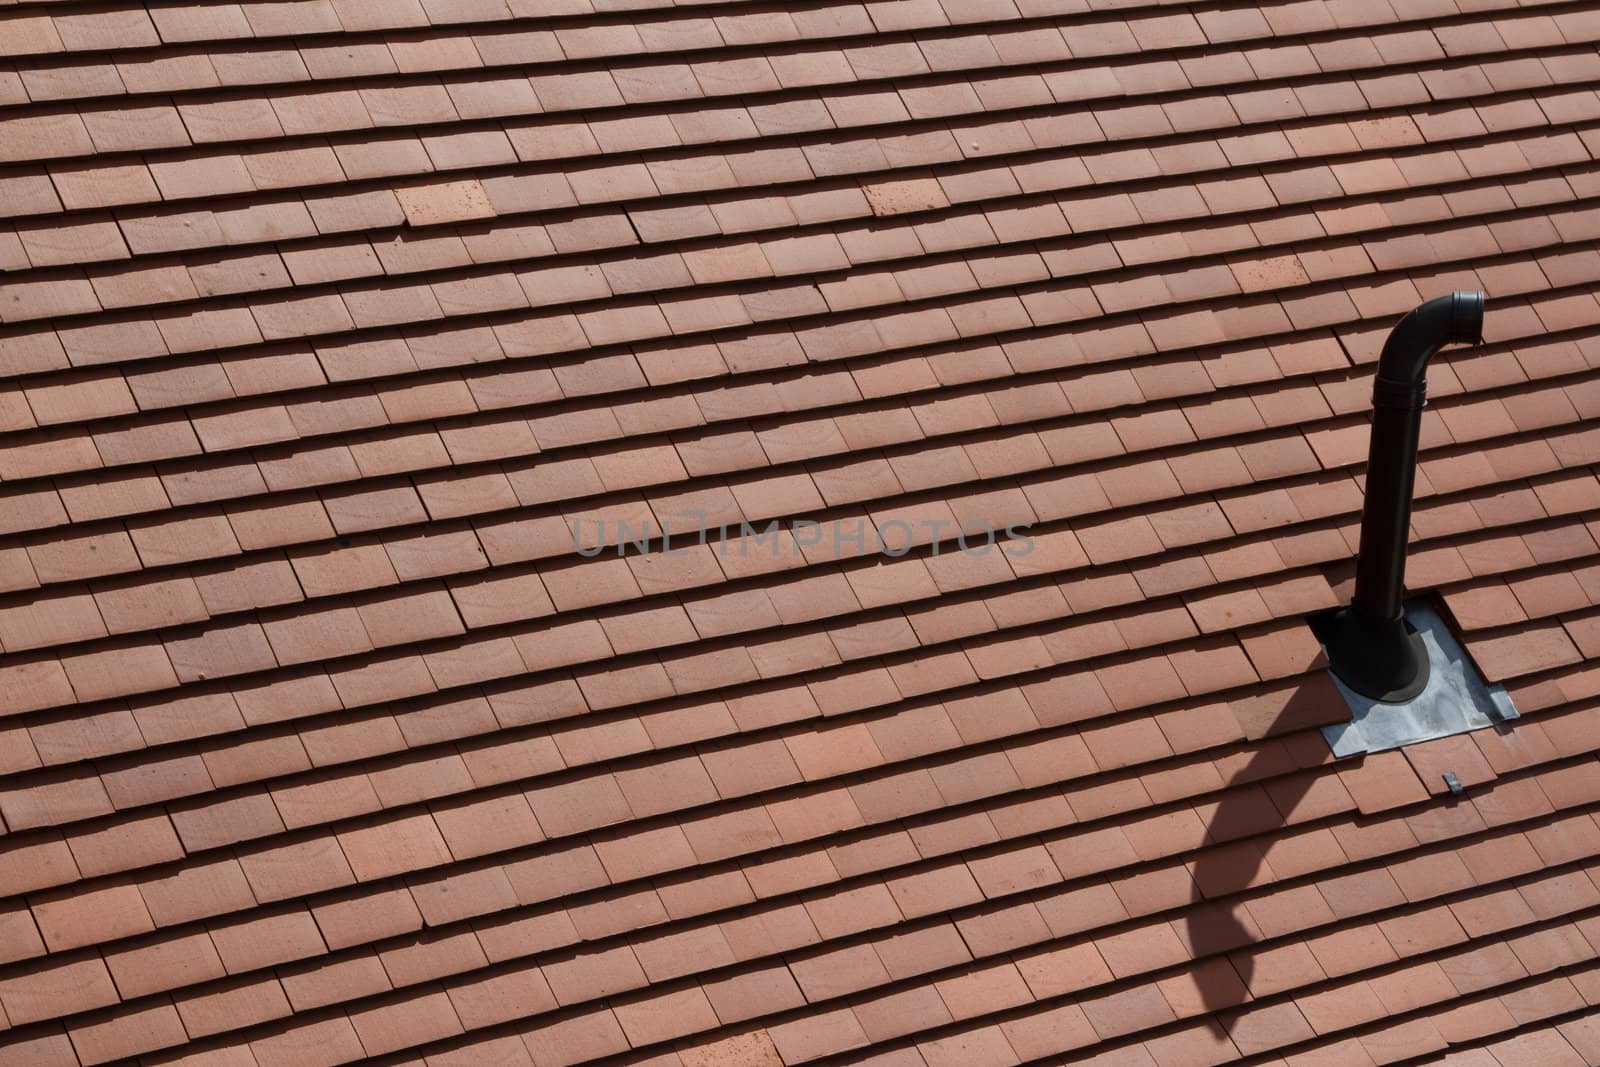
1173 545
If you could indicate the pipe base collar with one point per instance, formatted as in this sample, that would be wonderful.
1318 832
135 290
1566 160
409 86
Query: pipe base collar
1381 660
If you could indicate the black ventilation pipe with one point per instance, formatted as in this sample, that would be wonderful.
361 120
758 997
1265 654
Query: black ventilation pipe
1370 646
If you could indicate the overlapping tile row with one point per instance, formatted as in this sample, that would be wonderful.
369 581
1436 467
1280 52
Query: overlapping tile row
931 881
842 45
317 573
322 324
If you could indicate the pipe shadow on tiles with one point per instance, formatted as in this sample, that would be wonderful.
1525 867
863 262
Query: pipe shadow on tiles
1218 925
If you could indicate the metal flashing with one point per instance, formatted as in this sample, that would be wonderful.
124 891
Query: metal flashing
1456 700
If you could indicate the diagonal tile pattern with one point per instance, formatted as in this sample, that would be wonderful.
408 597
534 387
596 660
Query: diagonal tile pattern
368 372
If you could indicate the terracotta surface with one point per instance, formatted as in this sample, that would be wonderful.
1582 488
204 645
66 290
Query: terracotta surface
324 322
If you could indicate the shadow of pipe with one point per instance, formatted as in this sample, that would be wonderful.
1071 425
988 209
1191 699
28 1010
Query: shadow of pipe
1218 925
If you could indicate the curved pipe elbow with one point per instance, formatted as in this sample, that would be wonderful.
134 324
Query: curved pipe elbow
1456 318
1369 645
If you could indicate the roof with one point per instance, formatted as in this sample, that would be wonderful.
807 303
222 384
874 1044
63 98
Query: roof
324 322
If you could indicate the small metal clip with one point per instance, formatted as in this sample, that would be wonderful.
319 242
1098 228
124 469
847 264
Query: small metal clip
1453 782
